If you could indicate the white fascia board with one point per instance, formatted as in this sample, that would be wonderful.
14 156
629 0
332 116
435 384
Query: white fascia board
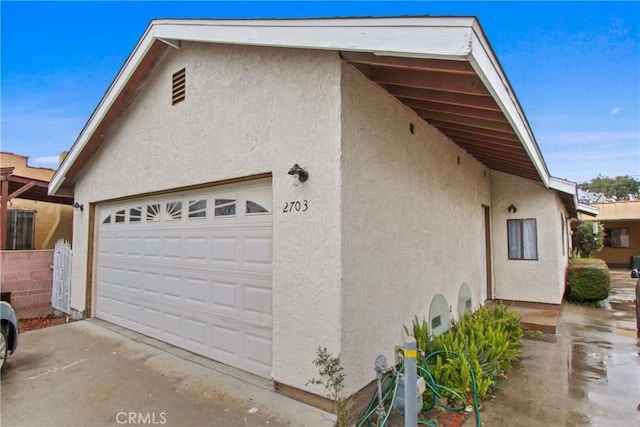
416 37
426 37
490 72
562 185
589 210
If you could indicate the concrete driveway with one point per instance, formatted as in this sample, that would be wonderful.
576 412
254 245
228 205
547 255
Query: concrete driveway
91 373
588 374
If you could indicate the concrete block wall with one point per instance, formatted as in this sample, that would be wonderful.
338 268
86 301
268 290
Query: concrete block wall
29 278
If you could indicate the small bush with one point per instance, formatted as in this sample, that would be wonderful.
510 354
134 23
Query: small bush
587 280
489 340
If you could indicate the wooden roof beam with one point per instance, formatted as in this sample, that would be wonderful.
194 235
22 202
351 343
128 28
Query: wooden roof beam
470 85
423 64
433 95
439 107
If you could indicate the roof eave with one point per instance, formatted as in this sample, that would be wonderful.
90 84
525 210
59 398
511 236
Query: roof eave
488 68
450 38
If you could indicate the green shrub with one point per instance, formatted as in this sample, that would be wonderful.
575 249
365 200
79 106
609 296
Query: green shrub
586 240
587 280
489 340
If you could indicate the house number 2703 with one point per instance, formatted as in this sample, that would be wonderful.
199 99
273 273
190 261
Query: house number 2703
296 206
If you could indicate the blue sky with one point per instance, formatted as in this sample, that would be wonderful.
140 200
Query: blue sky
574 66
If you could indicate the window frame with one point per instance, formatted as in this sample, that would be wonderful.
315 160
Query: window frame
522 238
14 242
609 239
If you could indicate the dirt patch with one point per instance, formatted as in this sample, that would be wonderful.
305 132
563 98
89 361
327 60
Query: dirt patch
26 325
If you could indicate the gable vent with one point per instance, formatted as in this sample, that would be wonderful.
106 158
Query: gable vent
178 87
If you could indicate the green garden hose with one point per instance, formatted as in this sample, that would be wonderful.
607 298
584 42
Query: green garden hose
392 388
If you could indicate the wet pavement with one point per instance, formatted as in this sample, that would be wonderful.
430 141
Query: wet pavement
588 374
90 373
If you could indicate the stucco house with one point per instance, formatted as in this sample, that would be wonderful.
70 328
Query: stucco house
621 221
34 220
255 189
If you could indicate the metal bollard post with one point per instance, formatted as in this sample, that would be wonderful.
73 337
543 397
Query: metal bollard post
410 382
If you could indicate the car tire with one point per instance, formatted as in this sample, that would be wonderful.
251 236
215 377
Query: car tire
4 345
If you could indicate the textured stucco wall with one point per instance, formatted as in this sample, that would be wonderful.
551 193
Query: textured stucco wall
412 223
247 111
534 281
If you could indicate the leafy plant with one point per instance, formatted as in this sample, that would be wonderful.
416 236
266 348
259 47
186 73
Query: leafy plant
332 378
479 347
420 331
588 280
586 240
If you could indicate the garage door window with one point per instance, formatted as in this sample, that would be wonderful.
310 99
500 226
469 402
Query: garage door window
197 209
120 216
174 210
153 212
135 214
225 207
253 207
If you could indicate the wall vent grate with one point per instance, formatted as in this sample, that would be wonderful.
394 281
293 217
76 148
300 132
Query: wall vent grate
178 86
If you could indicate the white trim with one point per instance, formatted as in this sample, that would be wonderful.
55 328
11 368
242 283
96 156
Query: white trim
488 69
123 76
589 210
450 38
562 185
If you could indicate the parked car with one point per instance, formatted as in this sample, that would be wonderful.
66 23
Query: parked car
9 329
635 266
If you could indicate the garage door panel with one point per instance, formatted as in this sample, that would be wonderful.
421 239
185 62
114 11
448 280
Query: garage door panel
258 301
173 248
135 247
257 252
198 291
171 286
134 315
133 281
258 349
151 283
225 250
152 320
225 295
152 247
195 249
172 324
181 269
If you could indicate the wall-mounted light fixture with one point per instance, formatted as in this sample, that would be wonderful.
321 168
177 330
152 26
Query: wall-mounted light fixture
78 206
297 172
512 209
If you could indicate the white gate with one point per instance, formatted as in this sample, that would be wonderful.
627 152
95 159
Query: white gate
61 293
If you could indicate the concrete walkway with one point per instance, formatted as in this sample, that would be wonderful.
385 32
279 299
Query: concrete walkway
91 373
588 374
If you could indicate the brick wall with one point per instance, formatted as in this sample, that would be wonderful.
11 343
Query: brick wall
28 276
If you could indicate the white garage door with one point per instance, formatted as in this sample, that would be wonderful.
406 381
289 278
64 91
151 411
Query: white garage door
192 269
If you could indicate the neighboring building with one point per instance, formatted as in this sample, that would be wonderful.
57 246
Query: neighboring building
426 192
31 222
621 222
